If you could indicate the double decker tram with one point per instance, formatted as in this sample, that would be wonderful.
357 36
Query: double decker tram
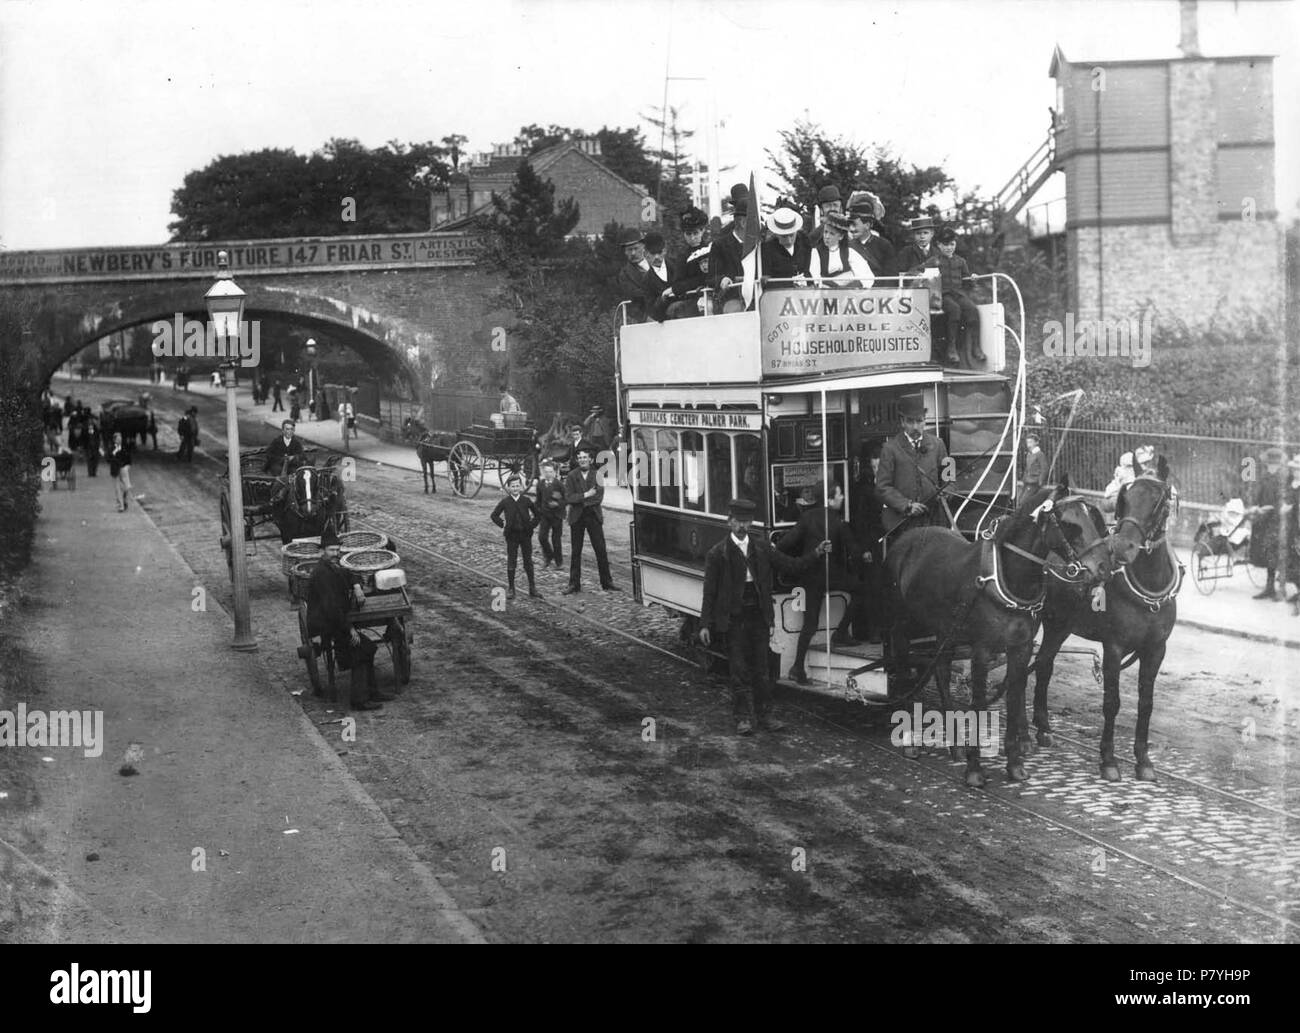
757 404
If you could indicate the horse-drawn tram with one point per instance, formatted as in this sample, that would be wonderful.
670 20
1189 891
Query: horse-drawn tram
799 391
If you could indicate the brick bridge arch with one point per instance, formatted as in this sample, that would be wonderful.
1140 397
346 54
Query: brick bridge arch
388 298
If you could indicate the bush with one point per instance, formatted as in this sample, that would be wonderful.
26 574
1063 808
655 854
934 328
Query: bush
21 447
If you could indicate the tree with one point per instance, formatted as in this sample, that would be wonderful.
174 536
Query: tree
279 193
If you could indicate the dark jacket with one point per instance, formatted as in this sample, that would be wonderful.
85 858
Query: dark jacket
911 257
952 271
725 260
724 579
1035 470
656 282
817 524
879 254
517 517
575 484
905 477
329 600
277 452
550 498
687 274
781 264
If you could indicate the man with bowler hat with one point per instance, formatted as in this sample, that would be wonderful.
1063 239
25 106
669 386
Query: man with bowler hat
738 602
633 276
914 469
584 494
828 201
726 258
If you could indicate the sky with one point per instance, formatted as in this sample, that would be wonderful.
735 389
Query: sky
106 105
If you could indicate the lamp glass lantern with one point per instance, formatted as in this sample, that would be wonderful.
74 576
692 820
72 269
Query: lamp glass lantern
225 302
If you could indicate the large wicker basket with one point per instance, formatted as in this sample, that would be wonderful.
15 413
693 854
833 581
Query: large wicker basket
364 563
351 541
298 578
297 552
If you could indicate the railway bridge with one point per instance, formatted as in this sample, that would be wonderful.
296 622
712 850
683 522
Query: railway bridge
418 302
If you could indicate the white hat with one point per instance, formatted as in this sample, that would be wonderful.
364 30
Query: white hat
1144 454
784 221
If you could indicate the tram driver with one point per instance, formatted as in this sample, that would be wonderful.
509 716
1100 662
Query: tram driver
911 476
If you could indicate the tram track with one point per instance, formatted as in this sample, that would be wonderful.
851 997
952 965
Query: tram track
942 772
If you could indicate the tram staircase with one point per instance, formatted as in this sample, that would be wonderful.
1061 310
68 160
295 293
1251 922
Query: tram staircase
1007 203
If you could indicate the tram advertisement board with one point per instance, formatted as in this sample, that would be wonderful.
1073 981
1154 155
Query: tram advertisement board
809 331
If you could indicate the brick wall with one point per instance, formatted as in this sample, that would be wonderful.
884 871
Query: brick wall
1192 148
601 197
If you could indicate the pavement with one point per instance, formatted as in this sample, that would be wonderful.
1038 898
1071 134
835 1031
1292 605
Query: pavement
1229 610
242 824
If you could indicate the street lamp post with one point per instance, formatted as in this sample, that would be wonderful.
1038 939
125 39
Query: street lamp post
225 303
311 379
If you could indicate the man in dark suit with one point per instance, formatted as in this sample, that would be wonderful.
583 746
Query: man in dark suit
584 494
738 602
656 277
865 213
816 523
282 449
913 471
331 596
726 268
632 276
517 517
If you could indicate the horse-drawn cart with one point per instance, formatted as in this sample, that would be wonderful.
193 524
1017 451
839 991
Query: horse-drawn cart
472 452
300 503
384 617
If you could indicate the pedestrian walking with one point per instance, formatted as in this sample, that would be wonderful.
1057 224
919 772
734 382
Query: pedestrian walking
119 468
516 515
1035 467
275 395
584 494
1266 521
93 444
738 603
550 511
295 407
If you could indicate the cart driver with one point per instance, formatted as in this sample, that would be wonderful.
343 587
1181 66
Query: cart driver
281 449
331 595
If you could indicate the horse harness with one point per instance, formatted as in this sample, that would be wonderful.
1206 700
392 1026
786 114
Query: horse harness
1152 540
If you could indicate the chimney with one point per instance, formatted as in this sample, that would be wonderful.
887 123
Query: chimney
1187 41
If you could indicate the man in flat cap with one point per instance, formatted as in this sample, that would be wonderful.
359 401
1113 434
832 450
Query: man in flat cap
584 493
738 601
912 467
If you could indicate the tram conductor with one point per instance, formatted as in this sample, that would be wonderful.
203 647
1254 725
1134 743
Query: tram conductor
911 477
738 602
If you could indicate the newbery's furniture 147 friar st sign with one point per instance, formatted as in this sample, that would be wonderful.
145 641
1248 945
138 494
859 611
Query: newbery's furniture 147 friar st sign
820 331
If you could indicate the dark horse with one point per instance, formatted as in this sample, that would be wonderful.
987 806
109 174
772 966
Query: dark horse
987 594
1131 616
307 500
430 447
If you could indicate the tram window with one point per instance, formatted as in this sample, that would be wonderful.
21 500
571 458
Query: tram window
751 482
642 459
692 470
668 468
719 467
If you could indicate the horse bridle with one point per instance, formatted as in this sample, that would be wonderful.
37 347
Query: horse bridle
1073 570
1159 517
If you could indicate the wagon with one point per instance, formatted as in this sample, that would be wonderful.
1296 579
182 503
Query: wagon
258 492
384 618
476 450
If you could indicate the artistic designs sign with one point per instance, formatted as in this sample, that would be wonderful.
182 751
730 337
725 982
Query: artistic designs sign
809 331
246 257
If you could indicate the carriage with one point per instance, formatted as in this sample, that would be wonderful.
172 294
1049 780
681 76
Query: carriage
1221 545
299 504
504 446
384 618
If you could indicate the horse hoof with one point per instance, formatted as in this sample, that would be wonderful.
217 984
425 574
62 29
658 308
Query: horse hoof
1045 739
1110 772
1146 773
1016 773
911 752
976 779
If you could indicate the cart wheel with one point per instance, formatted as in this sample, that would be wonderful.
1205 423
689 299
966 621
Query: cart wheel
225 534
1258 575
400 649
532 468
308 650
465 469
1204 573
517 464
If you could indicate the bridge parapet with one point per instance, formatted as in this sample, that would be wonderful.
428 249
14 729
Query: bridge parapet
247 258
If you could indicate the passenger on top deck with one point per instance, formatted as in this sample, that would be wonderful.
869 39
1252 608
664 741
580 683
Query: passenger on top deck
689 273
834 260
865 213
828 201
632 277
656 277
912 257
962 314
725 269
785 255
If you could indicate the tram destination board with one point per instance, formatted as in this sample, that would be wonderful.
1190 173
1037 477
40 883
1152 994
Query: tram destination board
832 330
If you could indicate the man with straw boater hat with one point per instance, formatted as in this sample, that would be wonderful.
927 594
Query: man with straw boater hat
786 254
738 602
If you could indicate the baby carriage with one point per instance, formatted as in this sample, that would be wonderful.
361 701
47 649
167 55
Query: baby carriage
1222 544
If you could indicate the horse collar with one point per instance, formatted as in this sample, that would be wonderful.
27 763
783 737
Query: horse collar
991 574
1154 600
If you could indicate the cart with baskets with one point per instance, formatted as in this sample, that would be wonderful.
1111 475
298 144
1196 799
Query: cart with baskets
258 497
1221 545
384 617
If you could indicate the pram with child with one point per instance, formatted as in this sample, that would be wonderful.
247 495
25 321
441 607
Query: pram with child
1222 544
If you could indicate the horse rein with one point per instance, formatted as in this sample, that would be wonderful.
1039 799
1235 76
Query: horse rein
1160 519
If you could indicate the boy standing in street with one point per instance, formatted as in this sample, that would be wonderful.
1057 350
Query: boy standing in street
550 512
516 515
